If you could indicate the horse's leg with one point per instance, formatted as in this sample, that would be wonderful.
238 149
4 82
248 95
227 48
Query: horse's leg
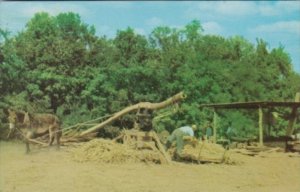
51 135
58 135
27 146
28 136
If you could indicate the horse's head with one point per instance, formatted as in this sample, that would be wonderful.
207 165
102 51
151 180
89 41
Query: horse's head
18 118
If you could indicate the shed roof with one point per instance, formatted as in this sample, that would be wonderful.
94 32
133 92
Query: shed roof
251 105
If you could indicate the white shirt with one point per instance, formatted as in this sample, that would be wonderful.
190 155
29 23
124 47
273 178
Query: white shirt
188 130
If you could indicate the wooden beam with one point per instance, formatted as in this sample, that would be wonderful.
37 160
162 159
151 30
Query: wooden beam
251 105
260 124
293 117
215 126
161 148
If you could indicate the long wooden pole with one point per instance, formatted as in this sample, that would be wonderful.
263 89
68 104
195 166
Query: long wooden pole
146 105
215 126
260 122
161 148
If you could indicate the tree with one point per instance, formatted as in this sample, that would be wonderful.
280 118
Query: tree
54 51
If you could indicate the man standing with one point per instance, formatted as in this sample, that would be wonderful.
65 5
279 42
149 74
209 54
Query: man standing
178 136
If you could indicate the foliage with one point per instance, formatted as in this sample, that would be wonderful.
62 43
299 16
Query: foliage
57 63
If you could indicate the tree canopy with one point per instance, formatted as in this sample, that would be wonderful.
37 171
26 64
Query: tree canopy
58 63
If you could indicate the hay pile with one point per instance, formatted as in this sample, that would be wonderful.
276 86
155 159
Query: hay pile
107 151
205 152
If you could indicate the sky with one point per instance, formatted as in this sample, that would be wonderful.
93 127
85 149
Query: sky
277 22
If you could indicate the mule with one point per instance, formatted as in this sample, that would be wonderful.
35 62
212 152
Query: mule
36 125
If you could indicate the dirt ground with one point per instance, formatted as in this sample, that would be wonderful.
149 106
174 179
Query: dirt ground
51 170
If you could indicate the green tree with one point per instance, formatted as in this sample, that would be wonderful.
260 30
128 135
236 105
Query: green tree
54 50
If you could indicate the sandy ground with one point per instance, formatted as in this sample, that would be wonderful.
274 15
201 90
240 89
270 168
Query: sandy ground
50 170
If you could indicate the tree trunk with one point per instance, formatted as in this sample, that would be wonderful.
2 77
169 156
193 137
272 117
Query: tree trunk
146 105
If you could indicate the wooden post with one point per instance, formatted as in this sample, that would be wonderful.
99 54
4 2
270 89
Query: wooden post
260 123
293 117
215 126
269 120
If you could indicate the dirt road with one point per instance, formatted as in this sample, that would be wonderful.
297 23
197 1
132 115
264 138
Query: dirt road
50 170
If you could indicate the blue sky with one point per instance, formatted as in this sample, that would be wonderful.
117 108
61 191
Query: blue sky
277 22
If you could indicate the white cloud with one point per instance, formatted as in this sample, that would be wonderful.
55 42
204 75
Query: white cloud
267 10
288 6
114 4
235 8
280 27
140 31
212 28
279 8
154 22
221 8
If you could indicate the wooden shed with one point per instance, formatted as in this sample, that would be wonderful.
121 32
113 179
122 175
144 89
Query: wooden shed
259 105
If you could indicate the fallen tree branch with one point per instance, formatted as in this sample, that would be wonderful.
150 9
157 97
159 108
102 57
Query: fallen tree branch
146 105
